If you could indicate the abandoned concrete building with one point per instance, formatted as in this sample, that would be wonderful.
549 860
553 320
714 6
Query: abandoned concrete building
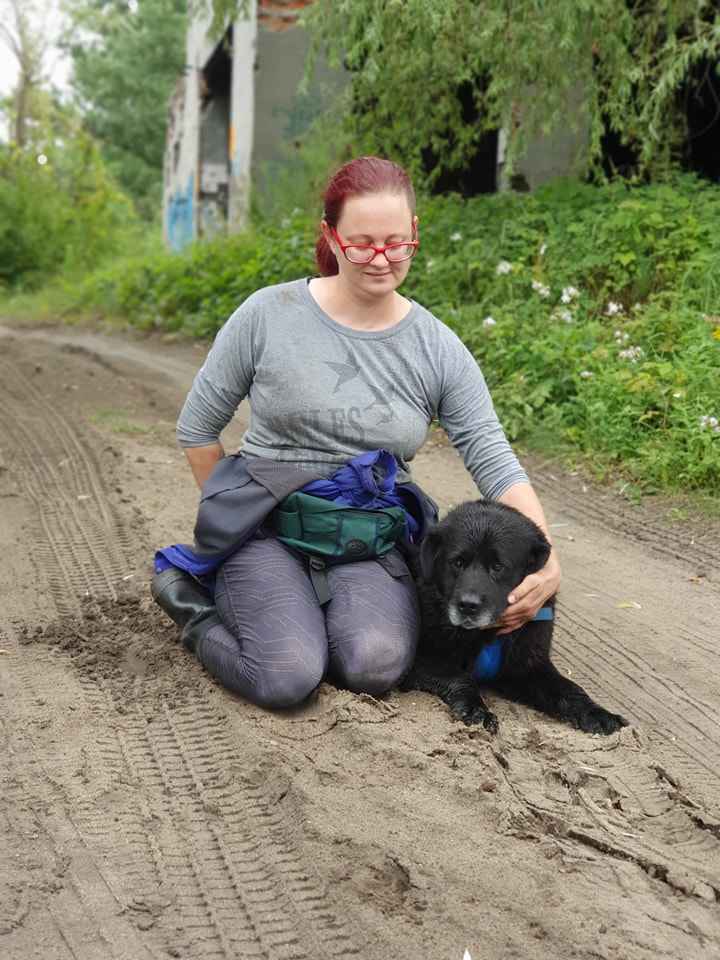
229 114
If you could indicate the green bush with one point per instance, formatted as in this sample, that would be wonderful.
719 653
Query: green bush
198 290
625 370
65 214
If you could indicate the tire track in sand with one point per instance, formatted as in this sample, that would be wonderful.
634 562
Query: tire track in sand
209 865
658 538
79 541
202 864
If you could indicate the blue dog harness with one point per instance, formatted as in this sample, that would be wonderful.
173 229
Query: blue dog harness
489 661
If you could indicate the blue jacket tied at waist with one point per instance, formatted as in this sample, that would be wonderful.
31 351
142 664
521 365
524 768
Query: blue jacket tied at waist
242 491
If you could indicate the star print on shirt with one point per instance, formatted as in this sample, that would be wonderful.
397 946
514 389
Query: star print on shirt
345 371
383 400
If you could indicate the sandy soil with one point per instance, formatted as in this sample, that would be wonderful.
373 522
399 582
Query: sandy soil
147 813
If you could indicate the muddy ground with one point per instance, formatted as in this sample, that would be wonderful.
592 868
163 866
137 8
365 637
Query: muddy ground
147 813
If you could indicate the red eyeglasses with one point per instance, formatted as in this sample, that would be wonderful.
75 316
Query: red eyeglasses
365 252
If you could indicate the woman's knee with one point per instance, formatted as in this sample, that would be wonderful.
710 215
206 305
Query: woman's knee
374 661
287 688
270 673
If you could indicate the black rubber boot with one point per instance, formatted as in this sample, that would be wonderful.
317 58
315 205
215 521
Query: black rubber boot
186 602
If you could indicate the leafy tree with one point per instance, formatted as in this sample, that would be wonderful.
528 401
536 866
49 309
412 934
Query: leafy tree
59 209
127 57
28 46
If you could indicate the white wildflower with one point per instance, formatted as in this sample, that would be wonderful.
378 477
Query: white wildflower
710 423
621 337
543 249
678 394
637 306
285 222
429 265
489 322
540 288
455 236
569 294
633 354
613 309
503 267
586 374
42 159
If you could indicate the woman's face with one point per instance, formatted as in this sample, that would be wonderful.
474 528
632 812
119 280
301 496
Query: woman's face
377 219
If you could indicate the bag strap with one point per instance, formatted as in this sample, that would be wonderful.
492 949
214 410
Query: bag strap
319 580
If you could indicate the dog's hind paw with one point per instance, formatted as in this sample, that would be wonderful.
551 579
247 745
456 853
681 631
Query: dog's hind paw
599 720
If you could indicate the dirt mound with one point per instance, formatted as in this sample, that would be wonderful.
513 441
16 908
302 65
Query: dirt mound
129 643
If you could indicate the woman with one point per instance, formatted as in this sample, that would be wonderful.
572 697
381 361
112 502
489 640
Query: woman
333 367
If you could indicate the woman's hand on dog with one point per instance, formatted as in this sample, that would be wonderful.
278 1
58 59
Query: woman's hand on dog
531 595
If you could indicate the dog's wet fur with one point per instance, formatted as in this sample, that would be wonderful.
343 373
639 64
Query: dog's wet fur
465 568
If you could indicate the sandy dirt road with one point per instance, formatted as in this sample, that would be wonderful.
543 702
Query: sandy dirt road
147 813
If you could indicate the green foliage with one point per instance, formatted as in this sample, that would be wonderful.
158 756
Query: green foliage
624 370
197 290
125 67
66 214
525 63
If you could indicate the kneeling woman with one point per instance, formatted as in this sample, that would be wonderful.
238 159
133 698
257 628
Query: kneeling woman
336 367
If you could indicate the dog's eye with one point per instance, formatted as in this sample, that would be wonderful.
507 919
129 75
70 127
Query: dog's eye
496 567
458 563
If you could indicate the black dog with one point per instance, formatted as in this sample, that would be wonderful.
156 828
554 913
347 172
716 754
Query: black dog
466 568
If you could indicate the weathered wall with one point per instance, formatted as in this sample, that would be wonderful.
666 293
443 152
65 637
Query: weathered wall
242 116
179 175
180 219
558 154
218 144
282 113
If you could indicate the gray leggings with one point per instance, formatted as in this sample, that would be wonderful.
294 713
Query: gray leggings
276 643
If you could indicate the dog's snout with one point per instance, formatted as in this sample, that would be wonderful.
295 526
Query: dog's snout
469 605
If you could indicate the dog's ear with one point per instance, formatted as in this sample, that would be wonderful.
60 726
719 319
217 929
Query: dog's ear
539 552
429 549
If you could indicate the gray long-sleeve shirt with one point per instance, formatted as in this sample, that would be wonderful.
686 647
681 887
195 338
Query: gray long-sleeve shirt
321 393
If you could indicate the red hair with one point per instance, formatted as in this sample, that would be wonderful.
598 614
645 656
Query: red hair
360 176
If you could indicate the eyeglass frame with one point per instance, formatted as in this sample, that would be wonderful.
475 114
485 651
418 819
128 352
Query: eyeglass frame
369 246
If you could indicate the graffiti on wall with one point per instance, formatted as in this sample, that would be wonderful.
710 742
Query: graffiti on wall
180 214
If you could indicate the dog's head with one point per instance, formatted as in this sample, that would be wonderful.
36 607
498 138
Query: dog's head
476 556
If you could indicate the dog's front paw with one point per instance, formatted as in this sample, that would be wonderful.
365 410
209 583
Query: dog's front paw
473 714
598 720
486 718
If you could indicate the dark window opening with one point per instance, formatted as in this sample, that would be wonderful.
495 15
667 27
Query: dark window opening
700 102
216 82
479 173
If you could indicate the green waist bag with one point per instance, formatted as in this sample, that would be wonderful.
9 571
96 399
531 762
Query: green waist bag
330 533
336 533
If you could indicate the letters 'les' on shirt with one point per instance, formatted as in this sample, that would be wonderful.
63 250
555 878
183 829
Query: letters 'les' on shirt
321 393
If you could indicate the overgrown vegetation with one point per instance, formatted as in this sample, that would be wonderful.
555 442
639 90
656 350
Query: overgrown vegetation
594 312
60 210
126 61
428 79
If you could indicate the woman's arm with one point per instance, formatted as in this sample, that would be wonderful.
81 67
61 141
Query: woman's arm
203 459
529 596
220 385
